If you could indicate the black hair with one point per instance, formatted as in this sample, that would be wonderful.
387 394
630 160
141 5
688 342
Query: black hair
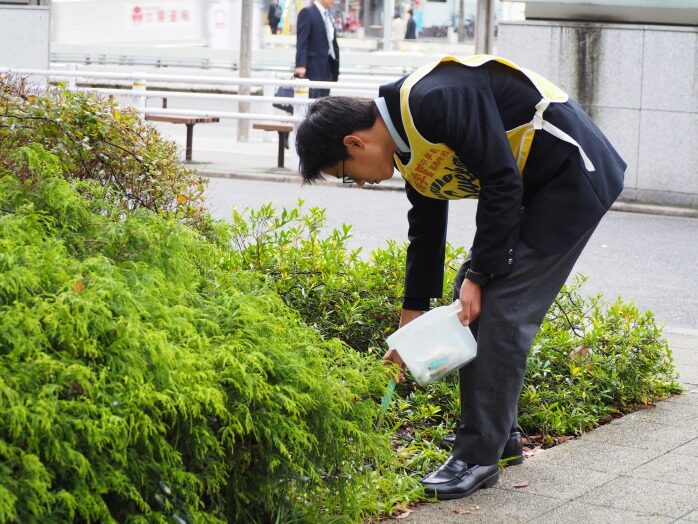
410 11
319 138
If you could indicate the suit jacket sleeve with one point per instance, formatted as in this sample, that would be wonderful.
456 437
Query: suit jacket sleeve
303 27
467 120
424 272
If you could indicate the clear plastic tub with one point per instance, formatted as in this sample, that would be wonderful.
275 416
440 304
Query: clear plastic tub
434 344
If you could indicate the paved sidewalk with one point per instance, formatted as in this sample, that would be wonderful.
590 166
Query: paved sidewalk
642 468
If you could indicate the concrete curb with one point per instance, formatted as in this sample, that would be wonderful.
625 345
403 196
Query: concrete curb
285 175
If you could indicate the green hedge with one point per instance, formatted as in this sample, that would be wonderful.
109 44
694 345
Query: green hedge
588 363
143 378
94 139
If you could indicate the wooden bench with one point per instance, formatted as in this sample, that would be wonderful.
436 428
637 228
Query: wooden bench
283 130
189 121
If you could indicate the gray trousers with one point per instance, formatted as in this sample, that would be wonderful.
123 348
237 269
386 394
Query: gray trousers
513 308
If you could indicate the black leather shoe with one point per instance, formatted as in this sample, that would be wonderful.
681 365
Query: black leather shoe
513 451
455 479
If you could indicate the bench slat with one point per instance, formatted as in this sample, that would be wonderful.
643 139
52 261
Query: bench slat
176 119
281 128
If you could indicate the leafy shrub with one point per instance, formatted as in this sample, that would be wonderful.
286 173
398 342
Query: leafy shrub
144 379
333 288
588 362
93 139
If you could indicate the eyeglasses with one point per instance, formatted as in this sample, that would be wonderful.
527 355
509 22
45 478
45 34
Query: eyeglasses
346 179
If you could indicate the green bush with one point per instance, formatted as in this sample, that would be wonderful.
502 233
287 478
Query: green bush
143 378
590 363
93 139
568 389
333 288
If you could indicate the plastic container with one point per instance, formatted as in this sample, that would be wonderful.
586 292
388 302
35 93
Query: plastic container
434 344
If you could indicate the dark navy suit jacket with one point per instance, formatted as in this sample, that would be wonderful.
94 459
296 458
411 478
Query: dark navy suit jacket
312 48
549 206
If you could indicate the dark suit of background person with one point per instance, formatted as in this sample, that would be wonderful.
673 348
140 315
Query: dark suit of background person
411 32
313 58
273 16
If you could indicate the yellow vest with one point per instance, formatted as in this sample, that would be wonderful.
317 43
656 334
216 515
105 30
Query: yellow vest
435 171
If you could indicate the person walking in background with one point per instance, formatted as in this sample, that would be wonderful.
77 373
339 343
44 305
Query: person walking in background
317 52
411 32
398 30
274 16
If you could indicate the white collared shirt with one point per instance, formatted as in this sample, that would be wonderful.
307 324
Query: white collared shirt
329 26
385 115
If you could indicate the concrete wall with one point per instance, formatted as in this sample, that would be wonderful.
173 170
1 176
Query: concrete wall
24 37
638 82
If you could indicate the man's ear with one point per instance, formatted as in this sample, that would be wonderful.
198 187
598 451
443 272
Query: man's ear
353 142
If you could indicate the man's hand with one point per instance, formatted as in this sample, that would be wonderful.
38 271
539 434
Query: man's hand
393 357
407 315
470 300
299 72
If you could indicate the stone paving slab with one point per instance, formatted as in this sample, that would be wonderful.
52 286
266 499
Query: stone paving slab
560 481
635 431
489 506
605 457
671 468
691 517
690 449
645 496
670 413
579 512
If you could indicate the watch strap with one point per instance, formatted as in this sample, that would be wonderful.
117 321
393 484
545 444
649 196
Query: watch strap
478 278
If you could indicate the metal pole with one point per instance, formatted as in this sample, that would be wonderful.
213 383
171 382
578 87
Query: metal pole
484 26
365 19
245 65
388 10
461 21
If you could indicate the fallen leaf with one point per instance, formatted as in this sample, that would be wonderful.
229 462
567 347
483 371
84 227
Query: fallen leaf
405 514
468 511
521 484
533 451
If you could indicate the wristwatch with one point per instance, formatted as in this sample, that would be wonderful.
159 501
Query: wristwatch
479 278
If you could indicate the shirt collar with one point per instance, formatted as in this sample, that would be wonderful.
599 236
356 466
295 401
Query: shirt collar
320 7
385 115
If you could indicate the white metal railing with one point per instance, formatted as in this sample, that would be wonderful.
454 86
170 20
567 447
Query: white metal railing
139 94
194 79
359 56
154 93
